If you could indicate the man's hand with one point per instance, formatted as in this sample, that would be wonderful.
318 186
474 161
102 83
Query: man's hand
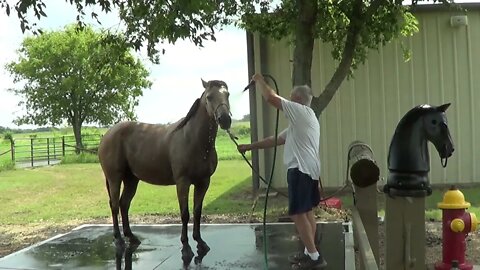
242 148
258 78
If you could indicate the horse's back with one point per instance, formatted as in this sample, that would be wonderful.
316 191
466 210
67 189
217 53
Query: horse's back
140 148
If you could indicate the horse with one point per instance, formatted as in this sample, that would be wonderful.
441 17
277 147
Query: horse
180 154
408 157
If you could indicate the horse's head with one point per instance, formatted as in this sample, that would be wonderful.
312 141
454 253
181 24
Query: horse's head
436 130
216 102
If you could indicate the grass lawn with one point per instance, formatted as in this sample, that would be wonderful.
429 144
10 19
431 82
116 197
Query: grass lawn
77 191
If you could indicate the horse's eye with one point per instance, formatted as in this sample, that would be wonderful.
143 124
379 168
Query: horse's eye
209 98
434 122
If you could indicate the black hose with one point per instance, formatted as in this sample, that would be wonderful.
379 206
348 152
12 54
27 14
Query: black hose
271 175
269 182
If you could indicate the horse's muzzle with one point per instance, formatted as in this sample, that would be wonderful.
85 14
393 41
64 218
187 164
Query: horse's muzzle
224 121
446 151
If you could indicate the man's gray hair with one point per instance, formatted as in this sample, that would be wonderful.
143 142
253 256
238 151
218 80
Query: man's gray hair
304 92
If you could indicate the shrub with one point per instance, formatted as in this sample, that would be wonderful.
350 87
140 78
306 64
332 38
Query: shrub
80 158
6 165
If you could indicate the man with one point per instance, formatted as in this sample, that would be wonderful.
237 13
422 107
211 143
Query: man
302 140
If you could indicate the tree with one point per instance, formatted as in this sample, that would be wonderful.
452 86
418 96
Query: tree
74 76
353 27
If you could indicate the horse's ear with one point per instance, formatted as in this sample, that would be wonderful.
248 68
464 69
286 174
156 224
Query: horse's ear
444 107
205 84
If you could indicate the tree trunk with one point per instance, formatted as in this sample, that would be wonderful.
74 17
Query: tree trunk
77 132
304 40
320 103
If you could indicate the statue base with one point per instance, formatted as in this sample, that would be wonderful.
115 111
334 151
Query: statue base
408 185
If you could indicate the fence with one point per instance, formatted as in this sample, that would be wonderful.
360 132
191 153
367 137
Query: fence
30 152
364 174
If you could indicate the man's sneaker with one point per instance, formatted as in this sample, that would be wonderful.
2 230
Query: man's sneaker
298 257
310 264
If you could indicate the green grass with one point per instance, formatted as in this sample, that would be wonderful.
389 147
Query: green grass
77 191
226 149
81 158
6 165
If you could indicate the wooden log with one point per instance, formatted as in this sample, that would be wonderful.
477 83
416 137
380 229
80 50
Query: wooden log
362 165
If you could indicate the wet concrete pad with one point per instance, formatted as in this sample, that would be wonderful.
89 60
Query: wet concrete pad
233 246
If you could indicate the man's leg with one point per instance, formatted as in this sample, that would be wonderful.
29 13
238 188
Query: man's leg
312 222
304 228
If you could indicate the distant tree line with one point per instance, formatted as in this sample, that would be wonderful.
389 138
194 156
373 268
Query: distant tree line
18 130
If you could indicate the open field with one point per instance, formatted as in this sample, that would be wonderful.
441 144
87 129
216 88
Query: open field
53 147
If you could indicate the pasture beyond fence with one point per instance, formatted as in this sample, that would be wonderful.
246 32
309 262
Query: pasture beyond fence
34 151
45 148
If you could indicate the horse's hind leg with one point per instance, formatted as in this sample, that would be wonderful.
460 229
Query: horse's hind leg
113 188
198 196
130 184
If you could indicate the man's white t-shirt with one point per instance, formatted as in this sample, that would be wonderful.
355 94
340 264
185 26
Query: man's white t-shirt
302 139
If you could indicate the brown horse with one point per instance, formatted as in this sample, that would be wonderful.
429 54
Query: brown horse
181 154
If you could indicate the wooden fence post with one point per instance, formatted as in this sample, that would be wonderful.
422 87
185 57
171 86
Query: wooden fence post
63 146
12 149
31 150
54 148
364 173
48 151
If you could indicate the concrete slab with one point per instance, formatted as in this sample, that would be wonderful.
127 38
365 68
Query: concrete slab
233 246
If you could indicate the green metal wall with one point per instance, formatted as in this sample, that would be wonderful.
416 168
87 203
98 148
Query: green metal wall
444 65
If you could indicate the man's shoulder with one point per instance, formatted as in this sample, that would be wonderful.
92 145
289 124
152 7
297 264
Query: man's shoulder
295 105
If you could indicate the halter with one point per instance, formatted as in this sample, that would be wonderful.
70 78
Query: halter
218 107
445 127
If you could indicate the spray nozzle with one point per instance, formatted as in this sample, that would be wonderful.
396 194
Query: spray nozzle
252 83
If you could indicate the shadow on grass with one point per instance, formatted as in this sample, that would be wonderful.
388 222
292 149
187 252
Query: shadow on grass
238 201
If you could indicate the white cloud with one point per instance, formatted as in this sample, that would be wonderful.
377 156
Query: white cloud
176 80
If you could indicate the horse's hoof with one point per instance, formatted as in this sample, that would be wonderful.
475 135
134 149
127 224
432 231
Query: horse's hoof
202 249
187 255
133 240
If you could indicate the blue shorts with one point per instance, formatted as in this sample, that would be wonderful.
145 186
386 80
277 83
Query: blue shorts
303 193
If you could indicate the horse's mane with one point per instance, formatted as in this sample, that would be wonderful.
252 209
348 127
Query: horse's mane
415 113
190 113
196 104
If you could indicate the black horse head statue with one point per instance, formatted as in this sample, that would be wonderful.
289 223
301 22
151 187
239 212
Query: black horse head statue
408 157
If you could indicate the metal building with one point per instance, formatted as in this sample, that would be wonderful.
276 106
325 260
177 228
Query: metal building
443 68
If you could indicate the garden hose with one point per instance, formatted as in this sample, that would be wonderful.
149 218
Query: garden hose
269 182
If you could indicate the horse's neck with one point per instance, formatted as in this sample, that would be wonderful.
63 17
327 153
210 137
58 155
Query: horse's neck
409 151
202 129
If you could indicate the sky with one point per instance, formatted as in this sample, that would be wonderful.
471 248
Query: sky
176 80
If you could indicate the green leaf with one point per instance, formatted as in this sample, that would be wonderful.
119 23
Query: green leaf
77 76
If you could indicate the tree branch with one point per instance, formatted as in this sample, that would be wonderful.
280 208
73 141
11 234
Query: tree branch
357 22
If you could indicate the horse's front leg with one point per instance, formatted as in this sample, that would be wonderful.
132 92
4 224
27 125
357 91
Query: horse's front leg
182 195
199 194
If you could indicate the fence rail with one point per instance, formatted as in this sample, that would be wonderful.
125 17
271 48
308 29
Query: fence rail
6 152
28 152
367 256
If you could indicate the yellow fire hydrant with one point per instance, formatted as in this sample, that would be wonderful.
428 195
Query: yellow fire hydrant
456 223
